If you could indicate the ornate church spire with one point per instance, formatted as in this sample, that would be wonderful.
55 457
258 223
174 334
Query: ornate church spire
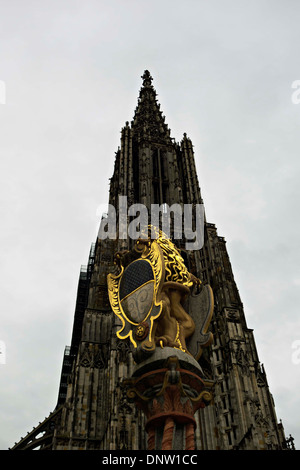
150 293
148 122
147 79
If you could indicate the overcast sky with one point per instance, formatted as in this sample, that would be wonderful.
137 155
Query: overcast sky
70 74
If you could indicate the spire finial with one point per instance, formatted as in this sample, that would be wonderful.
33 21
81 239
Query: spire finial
147 79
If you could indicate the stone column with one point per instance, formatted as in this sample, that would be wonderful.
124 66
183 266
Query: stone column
169 387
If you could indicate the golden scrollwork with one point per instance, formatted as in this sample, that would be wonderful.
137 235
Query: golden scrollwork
138 306
153 296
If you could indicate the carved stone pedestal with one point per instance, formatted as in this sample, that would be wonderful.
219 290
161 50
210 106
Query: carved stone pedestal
169 387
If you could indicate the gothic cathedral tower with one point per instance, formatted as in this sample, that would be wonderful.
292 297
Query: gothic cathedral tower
93 412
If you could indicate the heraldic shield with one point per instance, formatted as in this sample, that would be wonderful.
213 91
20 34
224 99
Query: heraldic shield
158 301
133 295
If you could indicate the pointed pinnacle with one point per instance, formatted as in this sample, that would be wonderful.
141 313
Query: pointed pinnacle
147 79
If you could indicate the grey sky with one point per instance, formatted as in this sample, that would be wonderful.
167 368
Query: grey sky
223 71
